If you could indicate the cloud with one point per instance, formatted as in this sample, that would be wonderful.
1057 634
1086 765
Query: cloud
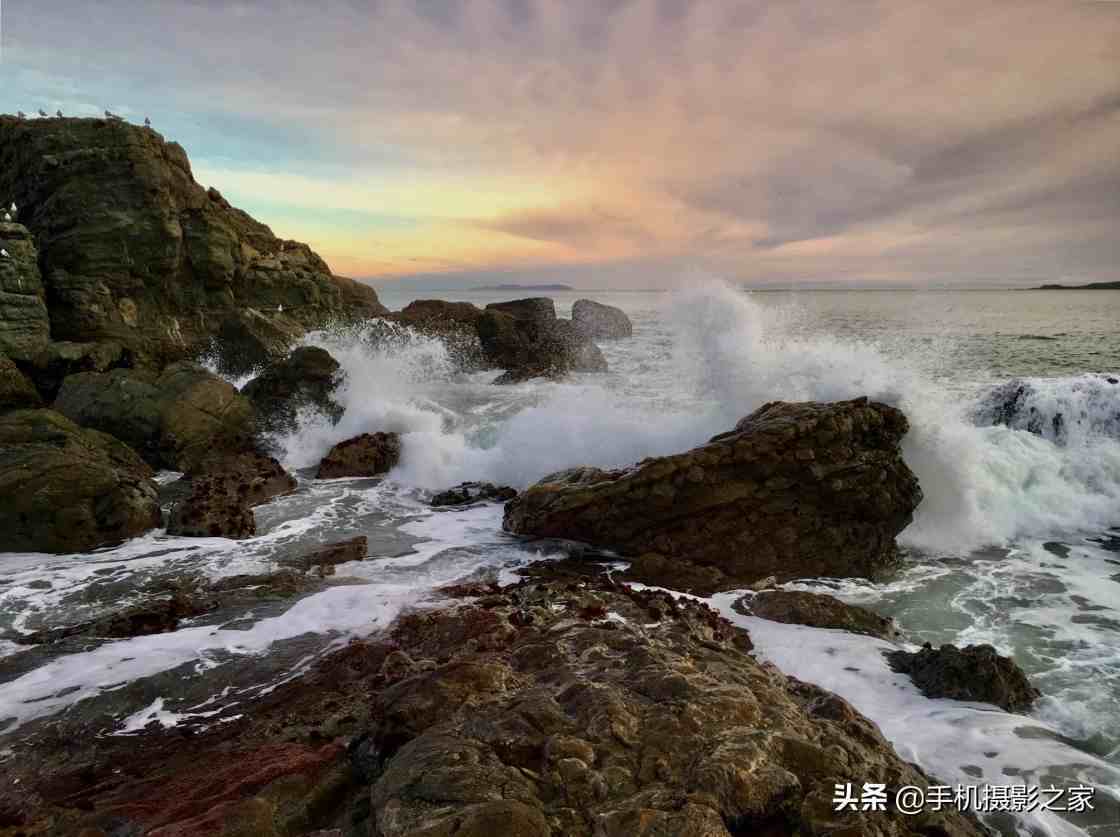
761 140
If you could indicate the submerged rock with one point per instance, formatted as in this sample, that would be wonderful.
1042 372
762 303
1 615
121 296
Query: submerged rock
367 455
473 492
134 251
601 322
174 420
977 672
816 610
68 489
795 490
327 557
223 492
155 616
307 378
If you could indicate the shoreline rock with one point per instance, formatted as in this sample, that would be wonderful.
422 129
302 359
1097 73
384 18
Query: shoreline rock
308 377
473 492
975 673
597 321
795 490
816 610
367 455
222 493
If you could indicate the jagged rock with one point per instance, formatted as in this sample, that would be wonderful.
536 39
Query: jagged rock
24 323
795 490
533 348
16 392
327 557
174 420
534 309
248 340
67 489
306 378
817 610
223 493
473 492
976 672
363 456
600 322
134 251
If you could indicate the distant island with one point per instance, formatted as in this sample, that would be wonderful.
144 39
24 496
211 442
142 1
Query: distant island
1092 286
523 288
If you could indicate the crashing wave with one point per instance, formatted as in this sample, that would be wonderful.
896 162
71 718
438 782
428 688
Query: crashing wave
1064 410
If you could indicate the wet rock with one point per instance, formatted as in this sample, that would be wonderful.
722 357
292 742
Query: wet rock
248 340
600 322
223 492
16 392
816 610
133 251
174 420
367 455
307 378
976 672
537 347
795 490
327 557
473 492
24 323
67 489
152 617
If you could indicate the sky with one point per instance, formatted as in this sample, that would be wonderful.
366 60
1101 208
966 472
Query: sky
624 143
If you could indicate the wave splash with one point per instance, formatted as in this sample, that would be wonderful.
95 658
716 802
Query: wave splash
709 357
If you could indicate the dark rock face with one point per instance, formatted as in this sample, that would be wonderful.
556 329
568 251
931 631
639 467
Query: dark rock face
306 378
601 322
55 362
16 392
223 492
66 489
473 492
363 456
248 340
816 610
439 314
132 250
976 672
24 324
173 420
525 711
534 308
795 490
327 557
535 347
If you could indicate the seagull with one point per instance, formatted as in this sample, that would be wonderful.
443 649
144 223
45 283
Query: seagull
279 309
13 207
42 113
7 218
147 122
4 254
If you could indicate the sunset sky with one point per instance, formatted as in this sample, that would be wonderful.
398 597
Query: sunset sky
624 143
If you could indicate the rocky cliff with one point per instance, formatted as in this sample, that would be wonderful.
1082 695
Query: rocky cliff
133 251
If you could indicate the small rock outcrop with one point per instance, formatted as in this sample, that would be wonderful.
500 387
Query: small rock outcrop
68 489
976 672
133 251
173 420
817 610
155 616
795 490
16 392
307 378
24 323
368 455
601 322
326 558
473 492
525 338
222 494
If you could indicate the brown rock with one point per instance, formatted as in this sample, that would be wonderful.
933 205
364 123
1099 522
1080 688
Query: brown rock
223 492
976 672
363 456
816 610
795 490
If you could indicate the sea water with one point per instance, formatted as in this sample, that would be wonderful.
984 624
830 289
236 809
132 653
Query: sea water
1014 408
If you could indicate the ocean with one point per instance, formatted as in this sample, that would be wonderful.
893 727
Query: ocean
1015 544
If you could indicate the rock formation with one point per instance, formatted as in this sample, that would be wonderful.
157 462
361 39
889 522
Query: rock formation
976 672
305 379
367 455
24 323
68 489
222 493
600 322
16 392
525 338
473 492
133 251
796 489
325 558
816 610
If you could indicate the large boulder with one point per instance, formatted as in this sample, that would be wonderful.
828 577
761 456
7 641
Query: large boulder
535 347
223 491
16 392
600 322
437 314
134 251
817 610
795 490
977 672
539 308
24 324
367 455
68 489
306 378
174 420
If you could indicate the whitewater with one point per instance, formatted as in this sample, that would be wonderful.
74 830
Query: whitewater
1014 406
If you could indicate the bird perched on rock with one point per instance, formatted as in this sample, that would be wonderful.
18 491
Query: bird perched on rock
4 254
14 210
7 218
42 113
147 122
